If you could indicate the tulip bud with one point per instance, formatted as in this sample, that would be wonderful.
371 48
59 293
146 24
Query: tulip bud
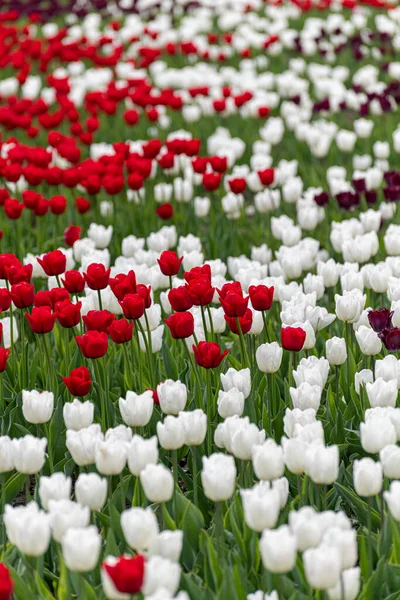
55 487
65 514
294 454
230 403
194 426
29 454
377 433
267 460
350 306
157 482
91 490
345 542
362 378
218 476
172 396
348 587
78 415
28 528
240 380
322 566
168 544
37 407
269 357
367 476
306 396
392 498
389 457
382 393
171 434
278 549
322 464
161 574
6 454
336 351
368 340
140 528
136 409
82 444
306 526
261 506
142 452
110 457
81 548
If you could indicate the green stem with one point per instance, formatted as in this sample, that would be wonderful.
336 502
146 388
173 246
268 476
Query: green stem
219 529
99 298
174 456
203 318
245 357
194 474
369 533
103 409
211 323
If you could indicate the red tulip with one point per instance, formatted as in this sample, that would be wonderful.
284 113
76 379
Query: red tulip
68 314
5 299
53 263
122 284
13 208
181 325
6 583
93 344
234 305
211 181
82 205
169 263
78 382
145 292
98 320
22 294
165 211
266 176
203 272
41 320
208 355
4 354
17 273
261 297
71 234
97 276
179 299
74 282
127 573
245 322
293 338
133 306
200 291
120 331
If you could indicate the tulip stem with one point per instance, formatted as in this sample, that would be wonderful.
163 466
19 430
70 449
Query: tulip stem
103 409
245 357
3 503
219 529
209 411
347 336
47 431
2 402
203 318
369 533
49 369
194 468
99 299
193 365
211 323
174 456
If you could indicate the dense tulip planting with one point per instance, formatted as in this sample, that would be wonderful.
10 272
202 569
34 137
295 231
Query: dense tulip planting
200 302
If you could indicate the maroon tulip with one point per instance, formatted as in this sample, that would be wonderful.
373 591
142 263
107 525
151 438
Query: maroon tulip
380 319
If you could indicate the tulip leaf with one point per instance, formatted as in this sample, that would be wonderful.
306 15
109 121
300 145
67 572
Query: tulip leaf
358 505
169 362
45 593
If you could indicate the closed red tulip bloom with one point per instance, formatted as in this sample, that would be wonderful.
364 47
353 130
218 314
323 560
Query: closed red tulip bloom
22 294
58 205
266 176
211 181
6 583
181 325
4 354
232 287
41 320
74 282
234 305
53 263
17 273
165 211
200 291
82 205
98 320
203 272
293 338
93 344
127 574
97 276
169 263
71 234
120 331
5 299
78 381
133 306
13 208
261 297
208 355
68 313
122 284
6 260
179 299
145 292
245 322
56 295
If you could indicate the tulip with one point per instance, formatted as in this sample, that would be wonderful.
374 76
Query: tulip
278 549
122 284
294 454
322 464
136 409
382 393
64 514
161 574
74 282
98 320
306 396
348 587
41 320
4 354
6 583
293 338
29 454
179 299
218 476
230 403
157 482
68 314
380 319
389 457
240 380
78 382
322 566
345 542
122 577
91 490
261 297
194 426
168 544
140 528
377 433
181 325
170 432
55 487
28 528
53 263
368 340
81 548
268 460
6 454
367 476
97 276
93 344
350 306
110 457
392 498
362 378
336 351
142 452
83 444
261 506
306 526
391 338
169 263
133 306
269 357
37 407
208 355
78 415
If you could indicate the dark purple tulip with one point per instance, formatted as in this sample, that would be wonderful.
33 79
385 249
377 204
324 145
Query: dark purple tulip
380 319
391 338
371 196
322 199
359 185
